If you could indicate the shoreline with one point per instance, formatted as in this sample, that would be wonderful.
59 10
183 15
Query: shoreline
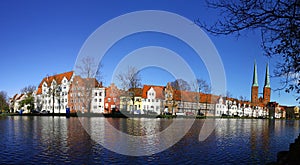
127 115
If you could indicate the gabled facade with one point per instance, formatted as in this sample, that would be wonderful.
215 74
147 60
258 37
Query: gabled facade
112 99
52 93
152 99
131 101
14 103
86 95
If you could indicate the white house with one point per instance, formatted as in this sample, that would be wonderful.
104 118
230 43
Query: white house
152 99
54 89
98 95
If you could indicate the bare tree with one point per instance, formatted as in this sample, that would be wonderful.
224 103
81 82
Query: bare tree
201 86
180 84
84 83
278 22
54 91
129 81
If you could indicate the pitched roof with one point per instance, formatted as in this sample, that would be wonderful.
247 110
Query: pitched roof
158 89
58 78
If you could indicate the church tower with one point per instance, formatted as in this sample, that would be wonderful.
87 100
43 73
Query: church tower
267 87
254 88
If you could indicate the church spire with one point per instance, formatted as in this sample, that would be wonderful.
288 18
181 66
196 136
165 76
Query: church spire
255 82
267 78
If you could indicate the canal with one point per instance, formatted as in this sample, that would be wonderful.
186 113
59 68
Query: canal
58 140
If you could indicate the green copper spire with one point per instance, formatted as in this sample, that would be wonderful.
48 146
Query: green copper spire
267 78
255 82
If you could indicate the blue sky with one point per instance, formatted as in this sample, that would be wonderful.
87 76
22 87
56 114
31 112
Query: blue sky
40 38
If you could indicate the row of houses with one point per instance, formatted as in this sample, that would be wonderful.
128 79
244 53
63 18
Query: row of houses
66 90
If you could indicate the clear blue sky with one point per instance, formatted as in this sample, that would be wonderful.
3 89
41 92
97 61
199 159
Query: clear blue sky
40 38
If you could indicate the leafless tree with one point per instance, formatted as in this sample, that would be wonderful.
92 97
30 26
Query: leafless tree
129 81
180 84
278 22
28 90
201 86
84 83
54 91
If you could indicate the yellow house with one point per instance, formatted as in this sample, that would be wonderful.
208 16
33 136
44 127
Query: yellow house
132 101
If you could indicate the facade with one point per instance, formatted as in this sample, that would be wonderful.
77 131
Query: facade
112 99
131 101
188 103
52 93
86 95
14 103
152 99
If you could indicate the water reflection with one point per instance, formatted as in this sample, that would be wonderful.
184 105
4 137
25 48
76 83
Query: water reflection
35 140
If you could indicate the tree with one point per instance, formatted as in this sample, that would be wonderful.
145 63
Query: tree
54 91
200 85
29 98
3 101
180 84
84 83
129 81
278 21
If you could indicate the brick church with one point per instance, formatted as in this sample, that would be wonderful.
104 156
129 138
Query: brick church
265 99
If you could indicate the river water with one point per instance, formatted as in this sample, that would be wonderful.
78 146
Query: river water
58 140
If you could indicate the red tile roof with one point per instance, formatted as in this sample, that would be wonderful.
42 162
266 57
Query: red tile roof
57 77
158 89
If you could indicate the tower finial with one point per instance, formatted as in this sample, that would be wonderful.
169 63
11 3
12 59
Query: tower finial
267 78
255 82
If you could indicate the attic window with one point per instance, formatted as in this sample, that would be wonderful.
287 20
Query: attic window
65 81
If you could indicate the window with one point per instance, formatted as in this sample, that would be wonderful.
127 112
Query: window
100 93
95 100
148 100
108 99
100 100
152 100
95 93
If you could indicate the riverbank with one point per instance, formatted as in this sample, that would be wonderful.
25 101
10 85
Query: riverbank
292 156
129 115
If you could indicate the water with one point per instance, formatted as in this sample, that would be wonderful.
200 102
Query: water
47 140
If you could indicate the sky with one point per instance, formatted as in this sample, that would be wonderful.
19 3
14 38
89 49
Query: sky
40 38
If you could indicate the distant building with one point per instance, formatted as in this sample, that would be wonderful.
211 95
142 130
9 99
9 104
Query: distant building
260 101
